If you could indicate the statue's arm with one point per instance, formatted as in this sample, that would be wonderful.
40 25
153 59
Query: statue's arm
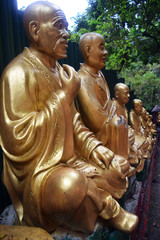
90 108
28 115
87 145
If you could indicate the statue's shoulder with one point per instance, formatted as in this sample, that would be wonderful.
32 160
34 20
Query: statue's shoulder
85 78
17 67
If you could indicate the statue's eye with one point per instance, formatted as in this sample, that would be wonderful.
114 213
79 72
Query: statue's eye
59 24
102 48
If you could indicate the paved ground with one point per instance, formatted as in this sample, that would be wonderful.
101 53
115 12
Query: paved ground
153 220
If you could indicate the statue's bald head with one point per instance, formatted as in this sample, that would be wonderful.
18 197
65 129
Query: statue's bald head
120 87
87 39
38 11
136 102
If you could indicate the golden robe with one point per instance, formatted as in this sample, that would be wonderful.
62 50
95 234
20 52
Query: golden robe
39 133
99 113
94 100
136 156
135 122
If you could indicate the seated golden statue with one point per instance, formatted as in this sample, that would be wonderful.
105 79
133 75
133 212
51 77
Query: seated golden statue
144 119
121 97
135 120
55 170
151 125
93 100
158 119
146 124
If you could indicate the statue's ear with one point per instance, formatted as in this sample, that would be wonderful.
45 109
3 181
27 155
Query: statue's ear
87 49
116 94
34 27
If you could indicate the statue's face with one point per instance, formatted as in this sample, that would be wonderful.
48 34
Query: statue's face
138 108
123 95
97 53
53 35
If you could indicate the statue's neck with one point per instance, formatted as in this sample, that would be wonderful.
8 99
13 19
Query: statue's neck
48 61
92 71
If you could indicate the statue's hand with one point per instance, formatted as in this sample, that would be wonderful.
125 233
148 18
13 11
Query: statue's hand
70 82
102 156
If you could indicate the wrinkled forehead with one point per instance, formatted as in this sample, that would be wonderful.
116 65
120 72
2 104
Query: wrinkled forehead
54 13
59 15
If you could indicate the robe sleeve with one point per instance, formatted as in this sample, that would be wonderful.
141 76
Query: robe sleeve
85 141
32 120
95 108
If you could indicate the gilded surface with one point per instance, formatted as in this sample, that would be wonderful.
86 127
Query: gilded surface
93 100
55 170
121 97
136 122
158 118
100 115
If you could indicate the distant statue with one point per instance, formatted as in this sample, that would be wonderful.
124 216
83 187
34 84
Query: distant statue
135 116
121 97
151 125
135 120
158 119
55 170
93 100
146 124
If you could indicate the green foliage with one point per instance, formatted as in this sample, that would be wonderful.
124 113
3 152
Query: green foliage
130 27
145 81
132 33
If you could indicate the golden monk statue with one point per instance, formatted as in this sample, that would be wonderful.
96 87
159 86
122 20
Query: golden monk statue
151 125
55 170
121 97
146 124
93 100
135 120
135 116
144 119
158 119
